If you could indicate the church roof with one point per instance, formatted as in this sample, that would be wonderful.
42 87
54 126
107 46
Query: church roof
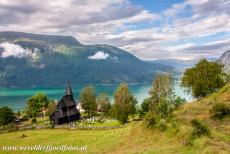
68 91
69 101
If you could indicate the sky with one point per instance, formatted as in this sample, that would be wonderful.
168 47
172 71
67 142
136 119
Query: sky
149 29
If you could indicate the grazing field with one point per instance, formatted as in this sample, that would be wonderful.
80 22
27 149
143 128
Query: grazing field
133 138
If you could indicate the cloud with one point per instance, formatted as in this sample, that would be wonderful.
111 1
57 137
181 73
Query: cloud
14 50
121 23
209 7
99 55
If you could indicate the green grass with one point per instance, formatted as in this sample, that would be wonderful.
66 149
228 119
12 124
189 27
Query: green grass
101 124
133 138
97 141
130 139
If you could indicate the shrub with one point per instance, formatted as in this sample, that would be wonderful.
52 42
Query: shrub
123 118
145 106
199 129
34 120
177 101
6 115
163 108
150 119
8 128
220 110
162 125
101 120
24 118
52 126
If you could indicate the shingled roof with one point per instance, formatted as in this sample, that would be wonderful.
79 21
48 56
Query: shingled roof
68 91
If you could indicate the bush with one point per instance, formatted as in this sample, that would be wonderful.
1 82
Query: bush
162 125
34 120
145 106
52 126
24 118
199 129
6 115
220 110
150 119
163 108
9 128
123 118
100 120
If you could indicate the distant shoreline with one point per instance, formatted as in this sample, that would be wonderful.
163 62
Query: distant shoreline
81 84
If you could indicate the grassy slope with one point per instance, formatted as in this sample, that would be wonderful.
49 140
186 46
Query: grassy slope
131 139
134 138
220 129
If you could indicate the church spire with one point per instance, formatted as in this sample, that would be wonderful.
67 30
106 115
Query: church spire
68 91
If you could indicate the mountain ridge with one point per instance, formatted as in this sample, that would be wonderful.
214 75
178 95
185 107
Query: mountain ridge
225 60
51 60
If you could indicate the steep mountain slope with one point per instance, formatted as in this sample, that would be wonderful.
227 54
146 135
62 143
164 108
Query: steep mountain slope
225 59
41 60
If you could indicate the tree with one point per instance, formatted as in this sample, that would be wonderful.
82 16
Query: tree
124 103
6 115
103 103
52 107
162 101
204 78
145 106
149 103
88 100
176 101
162 85
36 104
161 92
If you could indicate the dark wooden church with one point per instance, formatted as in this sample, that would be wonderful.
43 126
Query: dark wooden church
66 111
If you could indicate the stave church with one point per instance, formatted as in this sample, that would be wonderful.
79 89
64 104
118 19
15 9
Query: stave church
66 111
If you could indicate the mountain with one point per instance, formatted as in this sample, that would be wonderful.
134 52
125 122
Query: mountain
225 60
50 60
178 65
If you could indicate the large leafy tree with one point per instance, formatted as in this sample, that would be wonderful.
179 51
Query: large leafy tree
125 103
88 100
103 103
204 78
6 115
36 104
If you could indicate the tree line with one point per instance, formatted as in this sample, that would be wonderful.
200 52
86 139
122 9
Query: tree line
93 105
201 80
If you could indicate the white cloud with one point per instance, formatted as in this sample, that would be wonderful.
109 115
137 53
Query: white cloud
116 23
99 55
14 50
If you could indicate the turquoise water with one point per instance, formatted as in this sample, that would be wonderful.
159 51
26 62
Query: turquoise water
16 98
